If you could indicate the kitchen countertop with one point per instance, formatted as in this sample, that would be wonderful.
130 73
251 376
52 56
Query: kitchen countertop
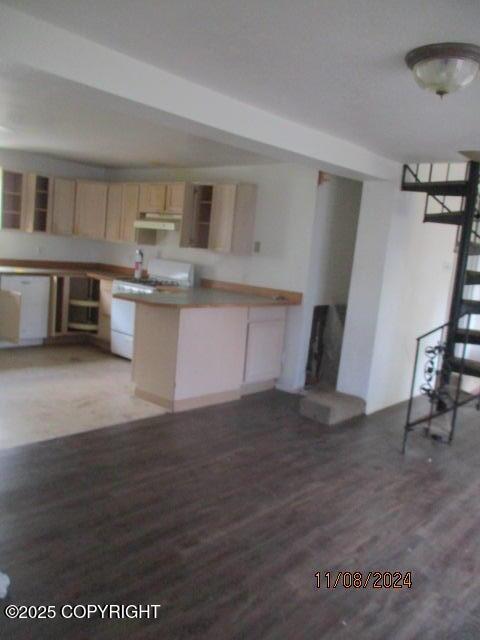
202 297
41 271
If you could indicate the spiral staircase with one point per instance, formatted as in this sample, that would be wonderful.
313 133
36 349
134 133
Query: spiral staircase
443 354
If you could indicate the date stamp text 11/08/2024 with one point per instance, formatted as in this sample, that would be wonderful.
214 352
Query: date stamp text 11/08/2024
363 580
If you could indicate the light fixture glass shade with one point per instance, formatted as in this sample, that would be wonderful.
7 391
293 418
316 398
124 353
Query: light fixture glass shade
445 75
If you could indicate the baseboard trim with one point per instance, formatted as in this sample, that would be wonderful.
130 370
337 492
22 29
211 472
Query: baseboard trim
153 397
206 400
257 387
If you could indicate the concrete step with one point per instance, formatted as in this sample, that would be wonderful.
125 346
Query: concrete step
331 407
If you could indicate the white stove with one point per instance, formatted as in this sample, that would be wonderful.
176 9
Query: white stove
161 273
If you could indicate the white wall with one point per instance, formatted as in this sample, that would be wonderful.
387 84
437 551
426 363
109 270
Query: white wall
333 240
415 297
24 246
39 163
400 289
365 287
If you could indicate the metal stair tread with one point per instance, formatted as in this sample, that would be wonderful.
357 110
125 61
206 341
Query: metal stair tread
472 277
455 217
470 306
471 337
449 188
470 367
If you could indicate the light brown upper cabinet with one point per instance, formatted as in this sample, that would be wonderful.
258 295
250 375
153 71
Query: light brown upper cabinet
90 209
176 197
222 213
244 219
63 206
37 203
159 197
130 209
113 226
152 197
222 218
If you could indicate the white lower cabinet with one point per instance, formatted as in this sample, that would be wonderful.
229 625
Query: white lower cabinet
265 340
24 308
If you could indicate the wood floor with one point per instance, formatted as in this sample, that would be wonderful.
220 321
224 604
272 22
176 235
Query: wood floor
223 515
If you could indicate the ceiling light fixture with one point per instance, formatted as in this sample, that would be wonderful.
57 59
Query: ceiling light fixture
445 67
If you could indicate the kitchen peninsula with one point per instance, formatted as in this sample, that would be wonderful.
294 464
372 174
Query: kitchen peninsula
204 346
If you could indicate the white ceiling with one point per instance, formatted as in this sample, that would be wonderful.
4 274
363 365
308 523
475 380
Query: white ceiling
46 114
336 65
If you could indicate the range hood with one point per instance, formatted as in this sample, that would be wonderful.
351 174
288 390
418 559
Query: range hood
158 222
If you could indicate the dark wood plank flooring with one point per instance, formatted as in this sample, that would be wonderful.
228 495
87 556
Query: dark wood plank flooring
224 514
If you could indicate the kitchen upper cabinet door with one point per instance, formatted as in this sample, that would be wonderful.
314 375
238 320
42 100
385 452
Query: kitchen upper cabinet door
175 200
222 217
91 209
152 197
244 220
28 202
113 226
37 203
130 210
63 206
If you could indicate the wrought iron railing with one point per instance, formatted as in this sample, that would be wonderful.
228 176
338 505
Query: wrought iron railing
437 204
436 388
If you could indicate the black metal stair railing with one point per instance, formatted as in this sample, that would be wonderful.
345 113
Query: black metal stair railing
437 192
443 360
436 388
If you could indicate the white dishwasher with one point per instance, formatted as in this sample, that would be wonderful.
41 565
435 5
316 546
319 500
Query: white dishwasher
34 294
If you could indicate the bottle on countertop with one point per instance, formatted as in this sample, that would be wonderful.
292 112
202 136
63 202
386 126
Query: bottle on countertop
138 264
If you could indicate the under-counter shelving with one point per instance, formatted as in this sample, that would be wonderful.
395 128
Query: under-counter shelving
80 305
91 304
83 305
83 326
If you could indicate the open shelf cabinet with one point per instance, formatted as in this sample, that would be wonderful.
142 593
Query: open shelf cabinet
12 200
202 216
74 305
83 305
41 203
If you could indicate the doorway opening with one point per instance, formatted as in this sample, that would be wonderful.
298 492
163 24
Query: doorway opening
334 236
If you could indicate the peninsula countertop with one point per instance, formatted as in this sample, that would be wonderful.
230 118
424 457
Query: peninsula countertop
203 297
